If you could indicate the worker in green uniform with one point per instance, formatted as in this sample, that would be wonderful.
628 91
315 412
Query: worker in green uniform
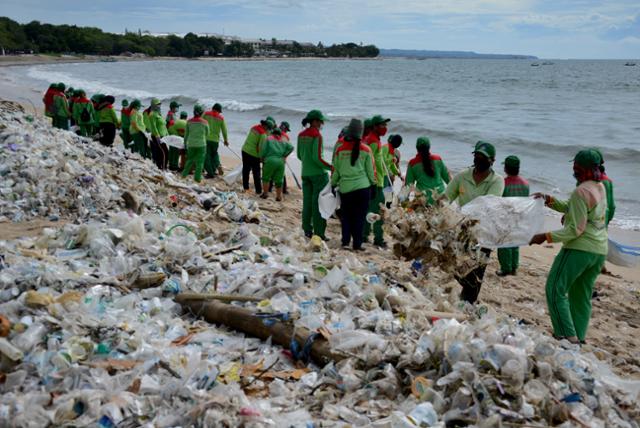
137 129
125 123
217 126
158 129
176 154
378 129
391 157
514 186
61 108
584 239
48 100
108 120
479 180
70 93
256 138
427 171
314 173
274 154
83 113
353 175
195 138
171 114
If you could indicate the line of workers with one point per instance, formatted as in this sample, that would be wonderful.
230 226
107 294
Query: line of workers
361 168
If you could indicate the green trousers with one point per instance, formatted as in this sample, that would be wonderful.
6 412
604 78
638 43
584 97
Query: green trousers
509 259
61 122
374 207
126 139
174 158
212 159
569 289
273 169
195 157
312 221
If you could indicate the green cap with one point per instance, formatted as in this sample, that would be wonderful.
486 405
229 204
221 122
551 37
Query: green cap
70 89
172 104
485 149
184 115
61 86
136 104
588 158
599 154
217 107
315 115
270 118
423 142
97 98
155 102
379 120
367 123
512 161
269 123
198 110
285 125
125 103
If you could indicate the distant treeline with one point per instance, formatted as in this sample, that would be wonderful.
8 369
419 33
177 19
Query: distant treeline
70 39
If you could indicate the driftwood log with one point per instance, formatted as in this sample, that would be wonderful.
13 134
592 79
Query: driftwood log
246 321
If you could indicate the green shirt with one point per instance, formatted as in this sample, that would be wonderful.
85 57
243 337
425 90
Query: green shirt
275 148
217 125
585 226
423 181
158 125
464 188
255 139
349 177
60 105
373 141
178 127
108 115
389 158
137 122
196 133
309 151
78 107
125 118
146 116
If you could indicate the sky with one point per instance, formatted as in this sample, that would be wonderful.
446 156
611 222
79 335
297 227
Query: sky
546 28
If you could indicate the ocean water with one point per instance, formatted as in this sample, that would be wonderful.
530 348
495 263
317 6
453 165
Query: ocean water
543 114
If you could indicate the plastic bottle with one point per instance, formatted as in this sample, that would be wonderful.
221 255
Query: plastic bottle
31 337
423 415
7 349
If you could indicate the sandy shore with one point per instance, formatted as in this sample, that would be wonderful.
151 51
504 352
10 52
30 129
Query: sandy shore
615 329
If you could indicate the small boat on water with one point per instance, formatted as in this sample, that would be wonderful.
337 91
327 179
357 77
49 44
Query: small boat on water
547 63
630 64
535 64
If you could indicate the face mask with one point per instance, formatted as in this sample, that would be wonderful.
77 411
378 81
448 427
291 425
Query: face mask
382 131
482 164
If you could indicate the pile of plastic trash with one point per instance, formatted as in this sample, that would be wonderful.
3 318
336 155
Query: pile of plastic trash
91 334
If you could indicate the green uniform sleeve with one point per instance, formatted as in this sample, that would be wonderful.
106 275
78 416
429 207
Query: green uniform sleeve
114 117
611 203
377 156
444 172
452 192
368 165
224 131
560 206
390 161
575 221
262 140
335 177
410 178
317 148
186 134
289 149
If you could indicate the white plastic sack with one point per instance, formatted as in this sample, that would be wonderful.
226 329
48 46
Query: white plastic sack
505 222
173 141
328 203
623 255
233 176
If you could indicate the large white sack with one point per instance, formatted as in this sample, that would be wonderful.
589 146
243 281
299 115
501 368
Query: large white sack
233 175
328 203
623 255
506 222
173 141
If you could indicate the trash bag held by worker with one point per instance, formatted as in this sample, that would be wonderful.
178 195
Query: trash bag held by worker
328 203
233 176
623 255
505 222
173 141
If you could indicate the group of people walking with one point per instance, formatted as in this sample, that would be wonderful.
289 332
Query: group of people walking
362 167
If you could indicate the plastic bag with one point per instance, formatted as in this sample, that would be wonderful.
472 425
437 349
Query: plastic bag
173 141
233 176
328 202
505 222
623 255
